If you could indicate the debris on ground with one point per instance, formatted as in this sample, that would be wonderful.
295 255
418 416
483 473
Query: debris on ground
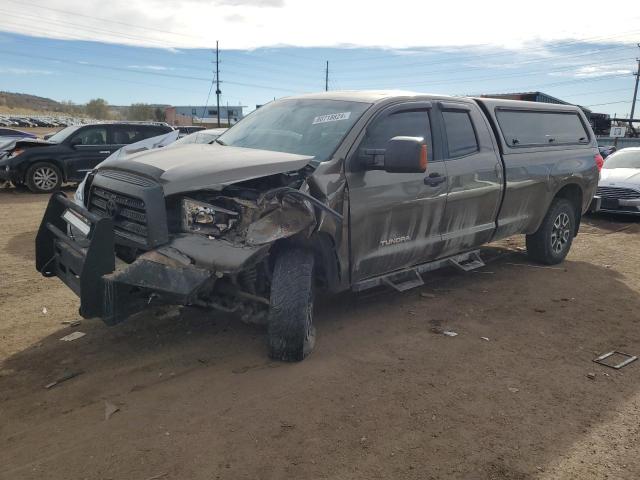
591 376
625 358
71 323
427 295
109 409
514 389
486 339
539 310
44 310
67 375
73 336
450 333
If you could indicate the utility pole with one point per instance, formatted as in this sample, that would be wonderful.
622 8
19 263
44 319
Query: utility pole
635 97
326 78
218 91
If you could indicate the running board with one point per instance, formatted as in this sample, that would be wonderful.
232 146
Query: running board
472 262
405 280
408 278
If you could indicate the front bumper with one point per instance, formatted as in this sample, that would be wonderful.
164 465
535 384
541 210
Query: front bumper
615 205
107 287
5 173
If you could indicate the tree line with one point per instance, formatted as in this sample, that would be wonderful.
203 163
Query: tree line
98 108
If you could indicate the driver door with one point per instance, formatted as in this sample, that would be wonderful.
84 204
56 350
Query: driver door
395 218
89 147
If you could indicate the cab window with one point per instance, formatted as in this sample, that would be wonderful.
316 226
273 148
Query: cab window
91 136
461 137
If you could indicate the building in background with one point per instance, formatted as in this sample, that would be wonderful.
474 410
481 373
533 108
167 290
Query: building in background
204 115
600 122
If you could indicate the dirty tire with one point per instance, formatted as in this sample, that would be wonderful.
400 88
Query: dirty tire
551 243
43 177
290 328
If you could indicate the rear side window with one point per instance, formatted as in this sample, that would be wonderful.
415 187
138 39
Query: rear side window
413 123
523 128
91 136
461 137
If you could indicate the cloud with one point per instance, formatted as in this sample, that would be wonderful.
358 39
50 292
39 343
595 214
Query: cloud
158 68
402 24
234 18
24 71
589 71
251 3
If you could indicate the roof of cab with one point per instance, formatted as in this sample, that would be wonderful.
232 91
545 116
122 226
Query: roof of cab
369 96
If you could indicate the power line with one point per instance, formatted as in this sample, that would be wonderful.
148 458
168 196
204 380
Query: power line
162 74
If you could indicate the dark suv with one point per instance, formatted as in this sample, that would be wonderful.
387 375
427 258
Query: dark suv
69 154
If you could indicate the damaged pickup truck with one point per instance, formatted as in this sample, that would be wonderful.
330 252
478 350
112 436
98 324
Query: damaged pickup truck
334 191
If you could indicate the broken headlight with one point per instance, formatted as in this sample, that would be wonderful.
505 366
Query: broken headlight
200 217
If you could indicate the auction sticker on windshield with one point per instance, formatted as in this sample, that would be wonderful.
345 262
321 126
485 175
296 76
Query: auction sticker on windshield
332 117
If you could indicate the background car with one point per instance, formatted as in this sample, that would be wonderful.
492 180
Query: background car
202 136
619 186
13 133
188 129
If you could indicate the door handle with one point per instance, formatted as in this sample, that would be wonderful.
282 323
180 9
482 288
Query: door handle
104 151
434 179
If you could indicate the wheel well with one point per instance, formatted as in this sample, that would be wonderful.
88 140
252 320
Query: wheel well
573 193
327 272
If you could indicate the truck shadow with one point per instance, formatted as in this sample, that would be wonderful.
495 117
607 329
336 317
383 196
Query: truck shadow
499 408
611 223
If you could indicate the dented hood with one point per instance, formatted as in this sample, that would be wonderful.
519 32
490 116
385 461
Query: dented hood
196 167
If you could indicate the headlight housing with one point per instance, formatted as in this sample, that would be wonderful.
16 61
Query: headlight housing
207 219
15 152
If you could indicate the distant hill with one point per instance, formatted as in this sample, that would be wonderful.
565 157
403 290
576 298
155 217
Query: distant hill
23 101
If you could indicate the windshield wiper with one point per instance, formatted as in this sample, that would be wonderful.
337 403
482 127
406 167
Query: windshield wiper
220 142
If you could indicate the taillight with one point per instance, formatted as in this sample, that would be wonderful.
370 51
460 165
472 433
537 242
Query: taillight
599 161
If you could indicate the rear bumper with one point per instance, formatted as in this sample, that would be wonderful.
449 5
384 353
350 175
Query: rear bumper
108 288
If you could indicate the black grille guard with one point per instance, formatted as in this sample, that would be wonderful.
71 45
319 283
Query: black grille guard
80 263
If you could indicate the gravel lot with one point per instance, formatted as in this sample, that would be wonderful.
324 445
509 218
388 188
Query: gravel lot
385 395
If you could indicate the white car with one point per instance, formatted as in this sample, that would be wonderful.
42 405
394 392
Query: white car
619 186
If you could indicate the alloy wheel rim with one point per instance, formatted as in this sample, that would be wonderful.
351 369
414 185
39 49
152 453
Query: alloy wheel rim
45 178
560 233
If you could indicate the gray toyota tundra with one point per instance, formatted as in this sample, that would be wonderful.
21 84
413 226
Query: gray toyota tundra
331 191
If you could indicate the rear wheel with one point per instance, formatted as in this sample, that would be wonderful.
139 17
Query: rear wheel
551 243
291 331
43 177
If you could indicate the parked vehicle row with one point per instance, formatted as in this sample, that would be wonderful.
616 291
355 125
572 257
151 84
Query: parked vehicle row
332 191
67 156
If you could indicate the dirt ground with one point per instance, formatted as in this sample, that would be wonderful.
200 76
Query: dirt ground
384 396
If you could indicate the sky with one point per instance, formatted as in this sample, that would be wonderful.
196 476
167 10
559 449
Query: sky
160 51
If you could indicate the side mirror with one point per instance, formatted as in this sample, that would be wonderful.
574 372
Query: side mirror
75 142
405 155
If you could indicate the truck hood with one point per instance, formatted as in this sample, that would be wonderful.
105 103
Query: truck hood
196 167
611 177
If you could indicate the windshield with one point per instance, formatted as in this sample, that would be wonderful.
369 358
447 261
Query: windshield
306 127
198 137
62 134
623 159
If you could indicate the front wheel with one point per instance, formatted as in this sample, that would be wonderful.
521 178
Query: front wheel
43 177
551 243
290 329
